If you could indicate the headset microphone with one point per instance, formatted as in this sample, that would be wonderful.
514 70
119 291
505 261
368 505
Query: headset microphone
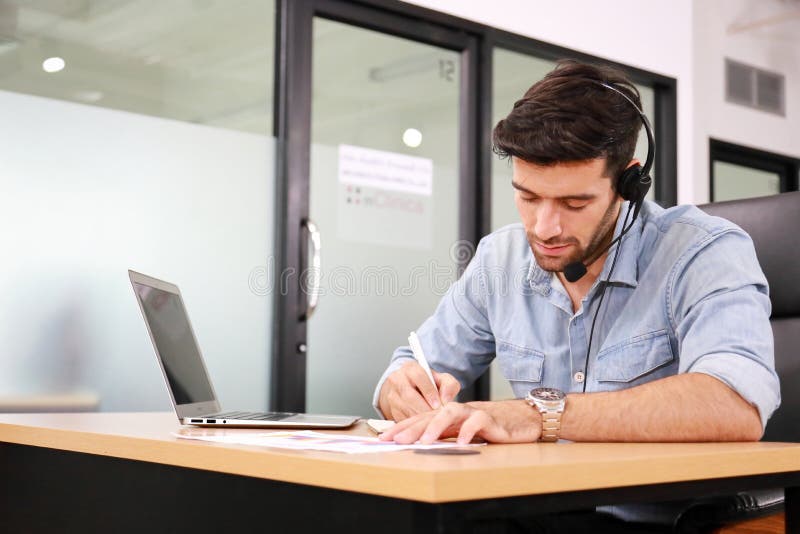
574 271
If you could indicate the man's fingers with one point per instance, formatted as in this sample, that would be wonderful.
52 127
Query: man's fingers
387 407
405 401
501 422
406 392
411 401
397 413
477 421
419 378
449 416
400 427
448 386
412 432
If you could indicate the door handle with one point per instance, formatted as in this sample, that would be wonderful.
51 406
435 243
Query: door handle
315 266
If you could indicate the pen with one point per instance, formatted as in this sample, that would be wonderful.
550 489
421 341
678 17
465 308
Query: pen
416 348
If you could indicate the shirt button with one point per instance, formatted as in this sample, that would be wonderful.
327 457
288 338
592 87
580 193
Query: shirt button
578 377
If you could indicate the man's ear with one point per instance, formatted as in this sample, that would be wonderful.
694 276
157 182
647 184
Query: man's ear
633 162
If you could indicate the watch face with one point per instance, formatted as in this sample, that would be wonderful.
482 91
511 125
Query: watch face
547 394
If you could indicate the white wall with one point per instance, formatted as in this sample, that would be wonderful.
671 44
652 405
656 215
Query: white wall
774 47
682 39
655 36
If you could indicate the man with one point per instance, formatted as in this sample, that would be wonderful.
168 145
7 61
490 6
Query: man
682 347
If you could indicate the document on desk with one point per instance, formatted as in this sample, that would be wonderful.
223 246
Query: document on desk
309 440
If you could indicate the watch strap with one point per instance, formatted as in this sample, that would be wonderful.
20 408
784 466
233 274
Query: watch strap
551 422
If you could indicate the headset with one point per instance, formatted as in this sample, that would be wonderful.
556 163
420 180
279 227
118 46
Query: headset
632 185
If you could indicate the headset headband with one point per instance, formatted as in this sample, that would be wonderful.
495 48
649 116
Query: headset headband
651 142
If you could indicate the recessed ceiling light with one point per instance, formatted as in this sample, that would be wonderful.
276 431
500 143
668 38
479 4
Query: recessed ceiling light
53 64
412 137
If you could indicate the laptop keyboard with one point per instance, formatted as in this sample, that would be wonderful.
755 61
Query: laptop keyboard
251 416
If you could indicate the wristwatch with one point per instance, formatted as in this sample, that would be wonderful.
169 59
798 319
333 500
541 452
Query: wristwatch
550 402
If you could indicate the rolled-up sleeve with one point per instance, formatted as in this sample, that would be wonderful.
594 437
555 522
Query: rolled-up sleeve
719 307
457 338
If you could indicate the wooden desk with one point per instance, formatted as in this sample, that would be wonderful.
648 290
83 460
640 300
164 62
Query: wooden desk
127 473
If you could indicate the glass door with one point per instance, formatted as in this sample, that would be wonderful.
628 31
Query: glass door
384 196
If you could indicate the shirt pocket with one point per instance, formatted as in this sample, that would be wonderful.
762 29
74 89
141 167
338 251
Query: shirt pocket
519 364
634 358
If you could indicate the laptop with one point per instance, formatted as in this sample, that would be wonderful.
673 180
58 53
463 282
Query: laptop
185 372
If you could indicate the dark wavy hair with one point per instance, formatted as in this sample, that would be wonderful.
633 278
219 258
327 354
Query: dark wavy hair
567 117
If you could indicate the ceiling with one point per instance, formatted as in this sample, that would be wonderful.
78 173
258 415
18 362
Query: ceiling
191 60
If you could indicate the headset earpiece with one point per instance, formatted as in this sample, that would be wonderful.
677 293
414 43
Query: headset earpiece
631 185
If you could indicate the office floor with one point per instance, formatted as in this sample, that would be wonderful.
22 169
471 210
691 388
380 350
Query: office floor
774 524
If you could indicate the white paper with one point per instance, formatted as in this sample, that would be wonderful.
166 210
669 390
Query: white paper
380 425
385 170
309 440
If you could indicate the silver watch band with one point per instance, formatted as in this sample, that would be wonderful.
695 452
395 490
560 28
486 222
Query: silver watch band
551 423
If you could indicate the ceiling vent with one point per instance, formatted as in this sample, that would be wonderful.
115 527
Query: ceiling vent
755 88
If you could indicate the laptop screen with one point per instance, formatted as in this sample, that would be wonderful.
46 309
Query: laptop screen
175 343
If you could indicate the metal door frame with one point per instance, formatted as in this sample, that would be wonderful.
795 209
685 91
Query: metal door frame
293 125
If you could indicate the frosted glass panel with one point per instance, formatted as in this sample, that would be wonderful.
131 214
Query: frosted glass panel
386 245
514 74
138 176
732 181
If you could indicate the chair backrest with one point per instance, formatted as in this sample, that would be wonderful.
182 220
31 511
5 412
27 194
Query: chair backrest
773 223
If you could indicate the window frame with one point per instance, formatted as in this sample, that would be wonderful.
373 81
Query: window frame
787 168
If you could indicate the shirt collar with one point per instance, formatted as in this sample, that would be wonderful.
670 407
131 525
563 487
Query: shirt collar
626 271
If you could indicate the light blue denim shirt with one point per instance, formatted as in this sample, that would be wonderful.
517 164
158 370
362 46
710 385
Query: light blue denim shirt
687 295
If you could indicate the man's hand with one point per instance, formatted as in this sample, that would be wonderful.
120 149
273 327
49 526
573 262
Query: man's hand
408 391
512 421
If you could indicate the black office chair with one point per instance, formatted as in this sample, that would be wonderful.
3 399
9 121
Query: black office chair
773 223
